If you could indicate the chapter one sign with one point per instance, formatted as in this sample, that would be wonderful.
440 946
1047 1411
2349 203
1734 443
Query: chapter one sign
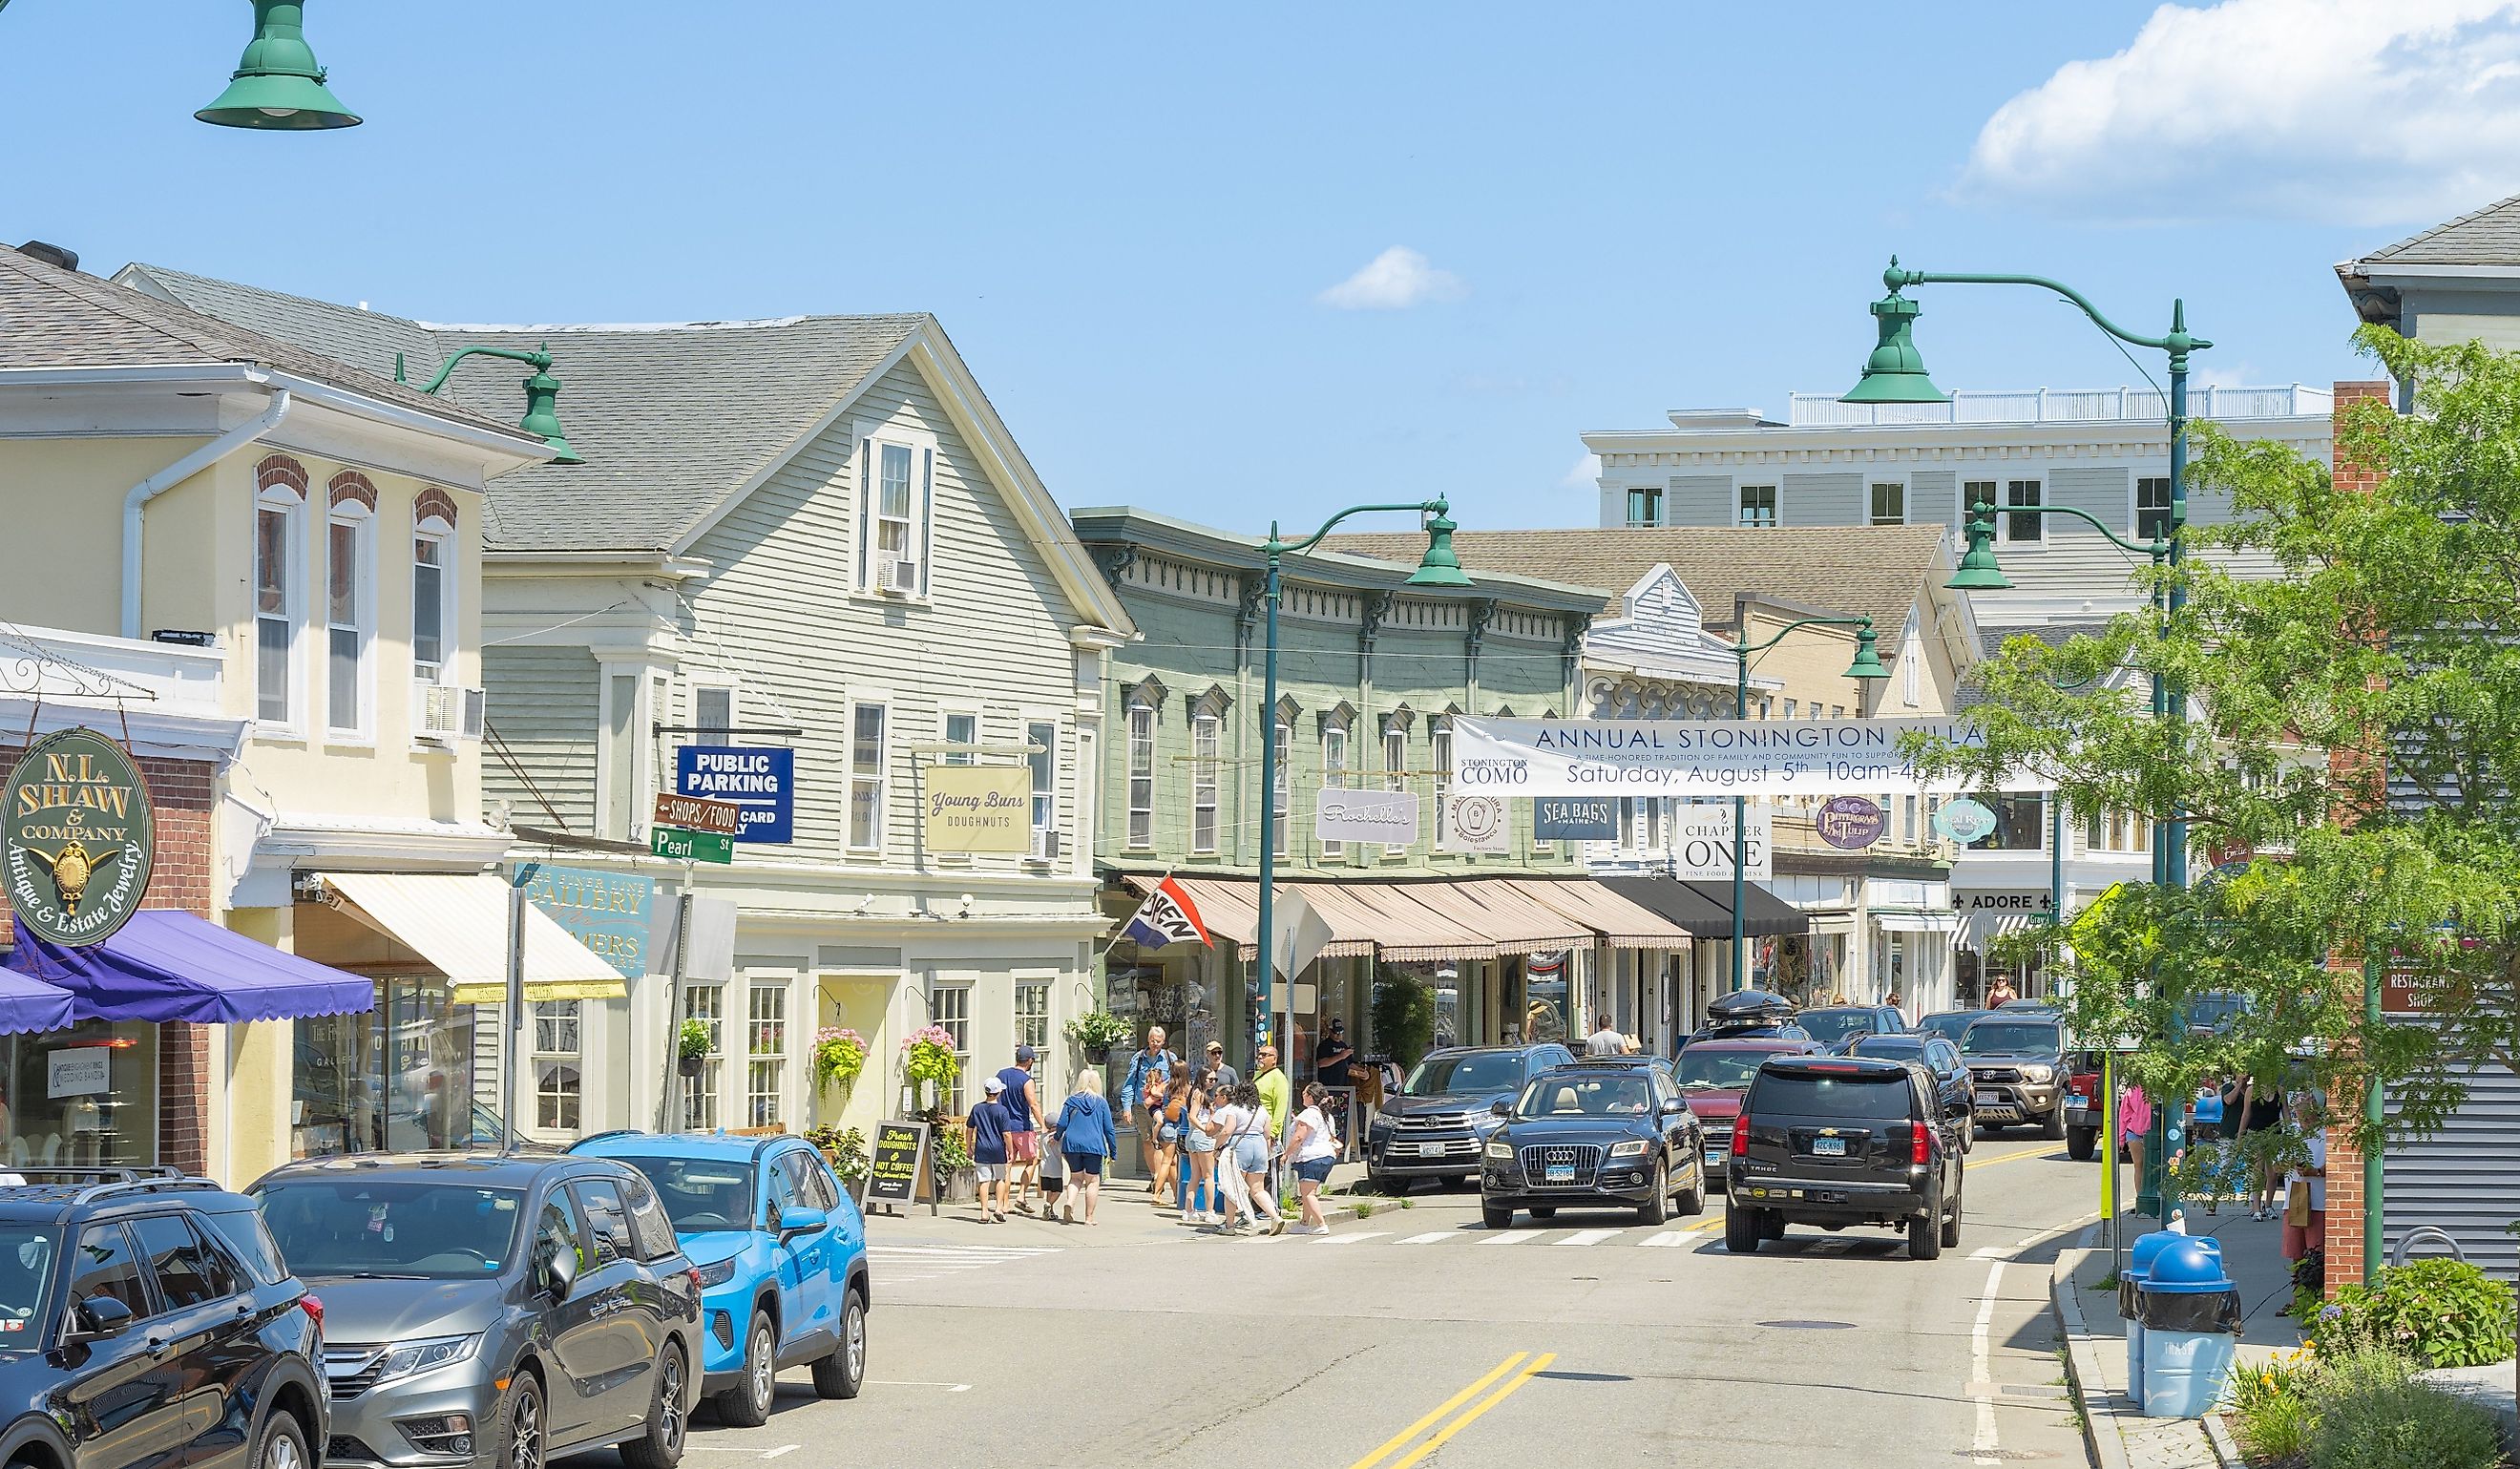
77 838
1732 757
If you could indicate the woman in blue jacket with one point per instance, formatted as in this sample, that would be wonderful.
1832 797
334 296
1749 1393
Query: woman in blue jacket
1086 1137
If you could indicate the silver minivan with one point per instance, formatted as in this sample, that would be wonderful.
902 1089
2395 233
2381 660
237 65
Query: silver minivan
492 1310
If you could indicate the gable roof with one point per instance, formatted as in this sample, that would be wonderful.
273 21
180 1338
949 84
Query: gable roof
56 318
2490 236
1879 571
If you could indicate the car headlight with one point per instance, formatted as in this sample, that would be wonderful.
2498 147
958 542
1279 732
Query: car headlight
426 1356
1634 1147
2038 1073
1501 1149
717 1274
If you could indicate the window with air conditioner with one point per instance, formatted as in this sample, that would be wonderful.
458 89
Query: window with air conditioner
1043 762
896 512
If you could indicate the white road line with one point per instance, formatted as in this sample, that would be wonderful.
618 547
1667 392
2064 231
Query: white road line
1349 1238
1509 1237
968 1251
1992 1252
1983 1446
1667 1239
1586 1237
781 1448
1437 1237
951 1387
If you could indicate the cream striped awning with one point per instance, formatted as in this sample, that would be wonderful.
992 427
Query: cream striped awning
458 922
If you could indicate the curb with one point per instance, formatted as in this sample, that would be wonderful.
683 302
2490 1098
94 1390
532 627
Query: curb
2225 1447
2082 1363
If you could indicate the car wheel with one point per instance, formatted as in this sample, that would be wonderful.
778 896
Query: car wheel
2082 1145
1544 1212
1952 1223
1969 1130
2054 1127
1495 1218
283 1446
746 1405
660 1447
1381 1183
1654 1209
1924 1236
843 1372
525 1437
1741 1230
1692 1199
1772 1225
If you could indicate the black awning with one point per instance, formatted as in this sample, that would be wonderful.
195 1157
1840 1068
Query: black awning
1705 908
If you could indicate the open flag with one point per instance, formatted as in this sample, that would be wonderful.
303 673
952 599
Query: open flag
1167 916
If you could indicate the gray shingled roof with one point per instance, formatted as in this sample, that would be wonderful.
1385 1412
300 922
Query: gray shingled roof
55 317
2490 236
1863 570
672 420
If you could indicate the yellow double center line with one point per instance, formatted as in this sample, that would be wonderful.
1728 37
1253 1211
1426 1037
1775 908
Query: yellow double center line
1517 1369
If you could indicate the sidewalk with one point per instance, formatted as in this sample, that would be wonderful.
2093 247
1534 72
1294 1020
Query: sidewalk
2121 1436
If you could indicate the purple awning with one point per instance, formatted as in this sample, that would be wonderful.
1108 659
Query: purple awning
168 965
30 1004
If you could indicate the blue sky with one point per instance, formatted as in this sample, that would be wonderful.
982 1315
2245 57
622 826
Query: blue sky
1136 221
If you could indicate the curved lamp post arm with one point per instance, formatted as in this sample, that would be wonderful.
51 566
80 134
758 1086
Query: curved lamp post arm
541 393
1982 515
1437 507
540 362
1742 651
2179 343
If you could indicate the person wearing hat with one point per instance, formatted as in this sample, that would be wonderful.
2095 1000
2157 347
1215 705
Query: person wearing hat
1331 1056
988 1123
1227 1078
1022 1100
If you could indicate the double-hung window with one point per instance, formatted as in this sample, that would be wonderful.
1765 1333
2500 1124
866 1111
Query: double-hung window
432 591
1280 788
277 583
349 617
765 1051
556 1061
868 758
949 1008
713 709
1204 733
1759 505
1395 770
963 730
1032 1013
2027 530
1644 505
1439 753
1043 762
706 1003
896 512
1890 503
1334 778
2152 508
1141 775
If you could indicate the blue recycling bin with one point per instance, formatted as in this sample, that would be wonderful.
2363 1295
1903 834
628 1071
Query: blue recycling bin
2191 1313
2140 1258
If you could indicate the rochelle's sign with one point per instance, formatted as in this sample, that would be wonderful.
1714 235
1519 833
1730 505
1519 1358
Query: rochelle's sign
77 838
1557 757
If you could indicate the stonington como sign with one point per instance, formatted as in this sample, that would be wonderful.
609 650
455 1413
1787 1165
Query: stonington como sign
76 839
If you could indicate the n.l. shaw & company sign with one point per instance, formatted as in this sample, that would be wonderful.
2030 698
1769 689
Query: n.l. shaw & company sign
77 838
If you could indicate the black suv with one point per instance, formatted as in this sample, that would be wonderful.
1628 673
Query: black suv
1612 1132
1434 1128
1838 1026
146 1320
1839 1140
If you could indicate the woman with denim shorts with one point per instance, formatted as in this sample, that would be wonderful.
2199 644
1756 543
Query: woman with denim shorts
1197 1182
1312 1150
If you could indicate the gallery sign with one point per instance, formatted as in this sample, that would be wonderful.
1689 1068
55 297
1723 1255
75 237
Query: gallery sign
1565 819
1701 842
1389 816
977 808
1674 757
760 780
1475 824
77 838
607 912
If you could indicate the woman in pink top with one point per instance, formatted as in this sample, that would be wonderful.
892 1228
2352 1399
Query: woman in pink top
2135 1124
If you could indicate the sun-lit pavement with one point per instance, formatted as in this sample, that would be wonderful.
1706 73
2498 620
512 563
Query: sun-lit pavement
1417 1337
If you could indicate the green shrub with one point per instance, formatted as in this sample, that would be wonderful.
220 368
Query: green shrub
2440 1312
2368 1413
2271 1410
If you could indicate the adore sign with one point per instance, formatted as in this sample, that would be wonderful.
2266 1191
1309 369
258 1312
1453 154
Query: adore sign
1732 757
77 838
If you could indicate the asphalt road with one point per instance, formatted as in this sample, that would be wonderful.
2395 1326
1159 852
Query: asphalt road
1417 1337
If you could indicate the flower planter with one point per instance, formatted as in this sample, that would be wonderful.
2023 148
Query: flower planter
690 1066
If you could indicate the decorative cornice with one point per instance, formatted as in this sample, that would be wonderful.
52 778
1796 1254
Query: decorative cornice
1115 559
1246 616
1481 614
1369 628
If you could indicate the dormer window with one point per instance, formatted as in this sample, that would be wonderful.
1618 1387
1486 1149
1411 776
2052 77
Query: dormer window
896 508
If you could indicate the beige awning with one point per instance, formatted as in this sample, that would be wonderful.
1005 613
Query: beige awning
1391 922
459 924
1497 912
1622 925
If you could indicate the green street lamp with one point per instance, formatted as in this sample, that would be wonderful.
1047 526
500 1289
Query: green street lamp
278 86
542 398
1438 567
1866 669
1895 373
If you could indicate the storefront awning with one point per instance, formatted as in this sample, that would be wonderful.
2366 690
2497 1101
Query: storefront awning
166 966
1979 928
1495 911
1229 908
1622 925
1917 923
1372 917
1705 908
458 922
30 1004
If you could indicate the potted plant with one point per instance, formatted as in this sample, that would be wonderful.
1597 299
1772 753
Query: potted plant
1094 1033
930 1065
839 1056
691 1047
951 1158
845 1149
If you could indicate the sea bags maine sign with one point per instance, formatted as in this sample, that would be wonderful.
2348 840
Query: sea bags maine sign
76 839
1634 757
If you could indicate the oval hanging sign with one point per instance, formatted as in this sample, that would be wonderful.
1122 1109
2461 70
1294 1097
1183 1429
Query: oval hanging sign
1964 820
77 838
1851 822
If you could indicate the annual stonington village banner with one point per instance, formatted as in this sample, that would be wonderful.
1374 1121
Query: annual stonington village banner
1730 757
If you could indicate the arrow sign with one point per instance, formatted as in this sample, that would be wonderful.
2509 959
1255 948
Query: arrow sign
698 814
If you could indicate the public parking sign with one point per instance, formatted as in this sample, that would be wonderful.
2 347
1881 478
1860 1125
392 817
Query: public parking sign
759 779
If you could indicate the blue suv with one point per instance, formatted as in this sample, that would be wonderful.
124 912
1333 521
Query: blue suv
782 1255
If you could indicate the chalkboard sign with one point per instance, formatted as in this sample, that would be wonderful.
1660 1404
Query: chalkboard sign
896 1163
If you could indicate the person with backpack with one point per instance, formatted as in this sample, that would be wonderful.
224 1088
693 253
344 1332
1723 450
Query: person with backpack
1151 1062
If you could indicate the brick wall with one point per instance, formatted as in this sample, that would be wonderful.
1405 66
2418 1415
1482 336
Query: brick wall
182 794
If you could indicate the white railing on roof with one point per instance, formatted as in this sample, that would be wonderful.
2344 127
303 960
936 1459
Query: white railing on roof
2059 405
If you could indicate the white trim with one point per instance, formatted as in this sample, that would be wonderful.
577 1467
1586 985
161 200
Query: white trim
434 530
1907 491
2134 501
2004 539
1773 484
871 437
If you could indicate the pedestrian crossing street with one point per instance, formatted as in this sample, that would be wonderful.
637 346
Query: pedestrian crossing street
900 1265
1636 1237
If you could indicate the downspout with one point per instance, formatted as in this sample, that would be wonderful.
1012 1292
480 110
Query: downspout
176 473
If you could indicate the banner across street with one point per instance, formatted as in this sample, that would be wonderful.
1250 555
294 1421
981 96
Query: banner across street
1636 757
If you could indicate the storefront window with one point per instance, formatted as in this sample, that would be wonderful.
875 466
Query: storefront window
766 1044
556 1088
704 1003
400 1076
83 1096
1544 1000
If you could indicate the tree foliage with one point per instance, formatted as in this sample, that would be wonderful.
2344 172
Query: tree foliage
2351 653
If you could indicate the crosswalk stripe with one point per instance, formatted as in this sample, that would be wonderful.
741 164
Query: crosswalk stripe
1667 1239
1349 1239
1585 1237
964 1252
1437 1237
1509 1237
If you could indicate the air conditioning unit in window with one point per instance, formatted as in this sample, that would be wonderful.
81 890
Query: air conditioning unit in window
447 712
901 577
1045 845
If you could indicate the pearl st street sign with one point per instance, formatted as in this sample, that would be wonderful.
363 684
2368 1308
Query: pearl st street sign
691 846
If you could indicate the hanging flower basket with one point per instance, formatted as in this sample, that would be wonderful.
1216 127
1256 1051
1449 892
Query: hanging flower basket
839 1057
930 1065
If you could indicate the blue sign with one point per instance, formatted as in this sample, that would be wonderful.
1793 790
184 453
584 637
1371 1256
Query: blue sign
763 781
1575 818
606 911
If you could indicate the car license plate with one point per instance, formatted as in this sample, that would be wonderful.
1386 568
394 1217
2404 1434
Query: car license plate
1561 1172
1714 1157
1427 1149
1829 1147
2078 1101
1993 1099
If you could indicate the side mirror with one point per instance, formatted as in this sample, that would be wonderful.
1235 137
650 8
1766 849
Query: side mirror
95 1319
1502 1108
560 1273
802 1221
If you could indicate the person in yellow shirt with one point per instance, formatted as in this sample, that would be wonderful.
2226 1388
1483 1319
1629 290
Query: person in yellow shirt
1277 1092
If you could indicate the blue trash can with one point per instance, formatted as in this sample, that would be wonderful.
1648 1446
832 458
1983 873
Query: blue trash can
2138 1263
2190 1313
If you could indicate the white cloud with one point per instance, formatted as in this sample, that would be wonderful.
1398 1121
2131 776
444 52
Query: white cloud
2342 111
1583 476
1397 279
